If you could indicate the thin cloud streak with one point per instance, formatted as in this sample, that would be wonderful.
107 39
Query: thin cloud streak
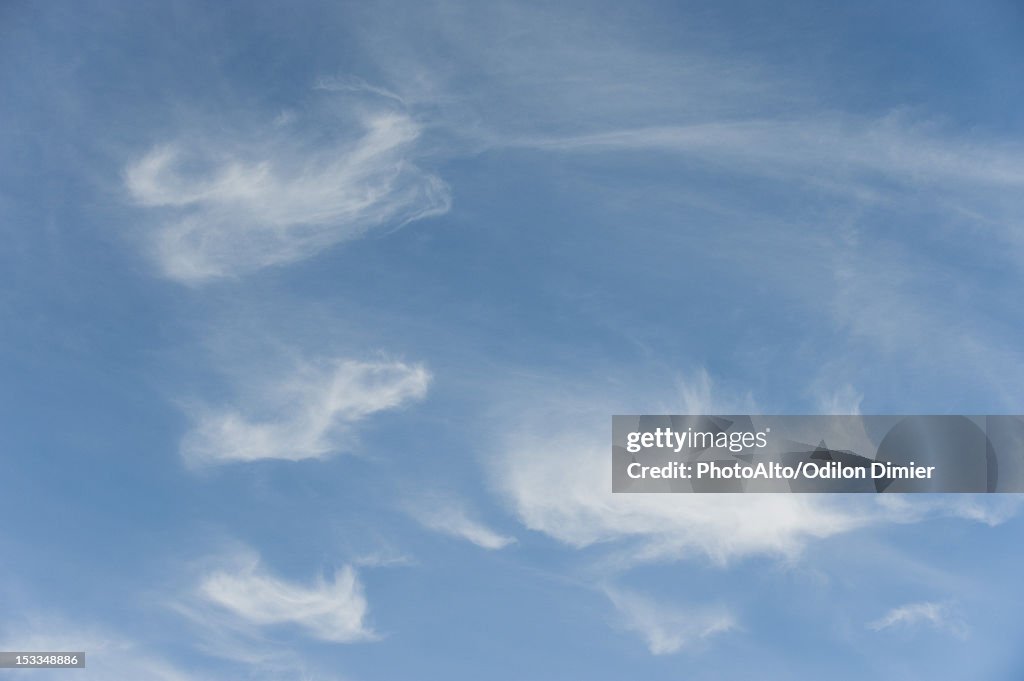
607 90
852 148
307 414
605 95
451 518
668 630
934 615
109 654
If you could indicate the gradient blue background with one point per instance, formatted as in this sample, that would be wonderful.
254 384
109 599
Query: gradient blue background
857 247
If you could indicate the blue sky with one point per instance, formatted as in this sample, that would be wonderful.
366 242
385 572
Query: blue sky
313 317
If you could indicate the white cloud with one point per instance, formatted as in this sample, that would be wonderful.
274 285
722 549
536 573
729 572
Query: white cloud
698 395
935 615
840 401
554 471
558 481
383 559
109 655
824 143
900 303
231 209
560 484
600 91
333 610
450 518
990 510
668 630
307 415
569 83
509 67
349 83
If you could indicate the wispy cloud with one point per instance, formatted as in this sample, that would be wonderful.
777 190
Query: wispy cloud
935 615
827 142
307 414
841 400
991 510
330 610
668 630
555 79
553 471
557 480
560 484
936 196
350 83
109 655
228 209
451 518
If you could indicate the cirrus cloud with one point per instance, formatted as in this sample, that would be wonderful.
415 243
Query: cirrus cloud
668 630
307 414
334 610
936 615
227 210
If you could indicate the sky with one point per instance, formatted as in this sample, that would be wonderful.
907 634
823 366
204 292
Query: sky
313 317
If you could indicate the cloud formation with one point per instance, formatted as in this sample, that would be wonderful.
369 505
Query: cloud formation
559 482
988 509
227 210
308 414
669 630
332 611
561 486
554 473
452 519
109 655
826 143
935 615
553 469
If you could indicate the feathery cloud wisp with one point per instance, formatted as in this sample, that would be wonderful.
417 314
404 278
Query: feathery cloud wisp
330 611
936 615
109 654
452 519
668 630
227 211
307 415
